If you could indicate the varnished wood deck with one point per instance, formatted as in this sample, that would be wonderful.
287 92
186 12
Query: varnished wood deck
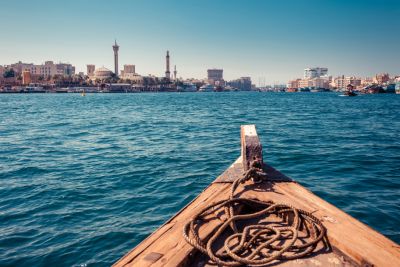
352 242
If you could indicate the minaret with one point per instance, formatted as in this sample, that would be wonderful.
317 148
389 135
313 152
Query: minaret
175 72
167 72
115 48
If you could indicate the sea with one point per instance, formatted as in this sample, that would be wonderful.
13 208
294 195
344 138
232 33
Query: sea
85 179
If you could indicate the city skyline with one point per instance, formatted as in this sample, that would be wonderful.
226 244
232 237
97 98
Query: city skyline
267 40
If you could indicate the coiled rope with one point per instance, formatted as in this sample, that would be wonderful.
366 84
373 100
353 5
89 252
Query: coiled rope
296 236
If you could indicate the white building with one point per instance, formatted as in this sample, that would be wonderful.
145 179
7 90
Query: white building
316 72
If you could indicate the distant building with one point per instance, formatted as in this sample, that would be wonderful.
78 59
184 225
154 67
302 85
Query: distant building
129 69
320 82
90 70
367 81
26 77
129 74
46 69
65 69
381 78
135 78
215 76
243 84
343 82
293 84
302 83
316 72
102 73
2 69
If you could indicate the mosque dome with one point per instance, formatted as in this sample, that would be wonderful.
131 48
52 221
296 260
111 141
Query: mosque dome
102 73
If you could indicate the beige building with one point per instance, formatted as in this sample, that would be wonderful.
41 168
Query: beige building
294 84
26 77
129 69
90 70
215 76
381 78
304 83
342 81
102 73
46 69
129 73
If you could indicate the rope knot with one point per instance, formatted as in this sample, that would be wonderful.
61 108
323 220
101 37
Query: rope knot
256 172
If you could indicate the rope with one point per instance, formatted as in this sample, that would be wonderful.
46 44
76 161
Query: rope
260 243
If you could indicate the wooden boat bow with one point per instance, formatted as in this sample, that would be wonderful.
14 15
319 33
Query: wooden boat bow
352 243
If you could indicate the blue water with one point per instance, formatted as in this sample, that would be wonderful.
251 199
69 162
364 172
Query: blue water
85 179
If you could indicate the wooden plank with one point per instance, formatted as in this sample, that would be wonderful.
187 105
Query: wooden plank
361 244
169 236
232 173
250 146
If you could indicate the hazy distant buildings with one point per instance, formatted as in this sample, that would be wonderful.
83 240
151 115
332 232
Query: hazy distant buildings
381 78
90 70
116 49
343 82
316 72
215 76
47 69
242 84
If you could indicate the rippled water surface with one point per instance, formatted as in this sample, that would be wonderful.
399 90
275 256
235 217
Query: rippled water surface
85 179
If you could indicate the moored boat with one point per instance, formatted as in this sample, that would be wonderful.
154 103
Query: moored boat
254 215
207 88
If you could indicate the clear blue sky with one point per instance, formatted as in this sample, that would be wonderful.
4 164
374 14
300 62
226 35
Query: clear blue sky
257 38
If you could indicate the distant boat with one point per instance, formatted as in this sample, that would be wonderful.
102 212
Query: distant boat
207 88
83 93
349 93
34 89
187 87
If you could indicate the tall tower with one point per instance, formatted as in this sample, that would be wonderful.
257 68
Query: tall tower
175 72
115 48
167 72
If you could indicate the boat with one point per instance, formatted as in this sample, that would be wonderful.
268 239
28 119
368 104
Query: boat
254 215
34 88
207 88
397 88
187 87
349 93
